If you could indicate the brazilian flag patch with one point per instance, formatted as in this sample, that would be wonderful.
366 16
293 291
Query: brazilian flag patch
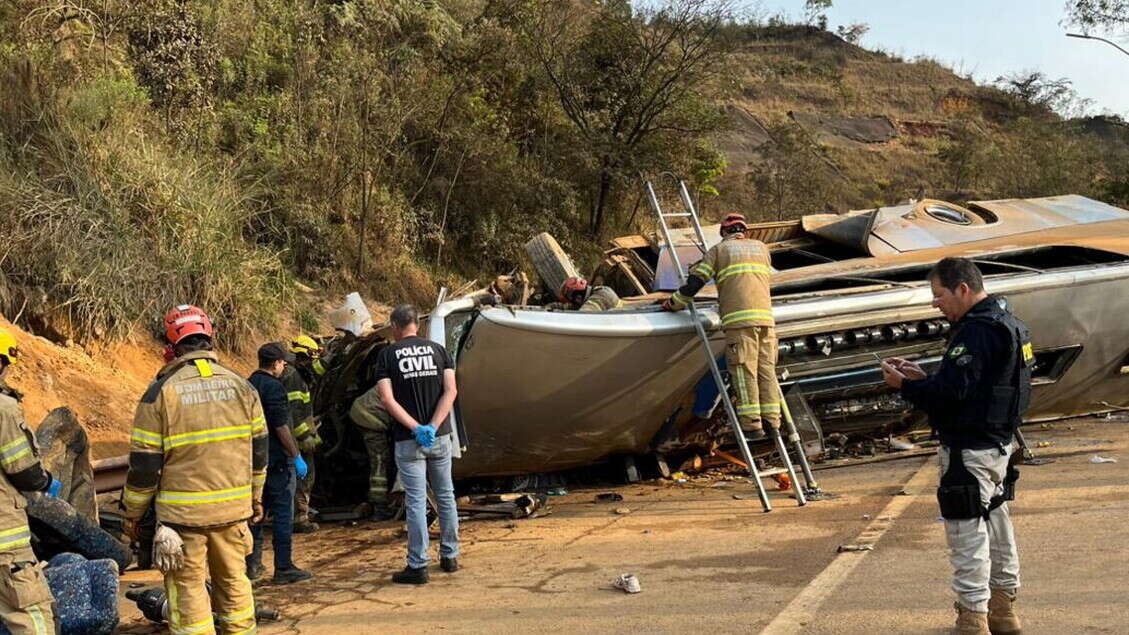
957 350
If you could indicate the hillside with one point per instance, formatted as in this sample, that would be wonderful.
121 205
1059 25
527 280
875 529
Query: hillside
240 155
820 124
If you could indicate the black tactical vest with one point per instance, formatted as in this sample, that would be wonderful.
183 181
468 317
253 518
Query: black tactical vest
992 417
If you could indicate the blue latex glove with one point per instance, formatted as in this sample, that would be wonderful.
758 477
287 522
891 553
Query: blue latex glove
300 467
53 489
425 436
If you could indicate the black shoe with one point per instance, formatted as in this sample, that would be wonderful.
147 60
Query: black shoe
291 575
754 435
381 513
255 570
307 527
450 565
411 576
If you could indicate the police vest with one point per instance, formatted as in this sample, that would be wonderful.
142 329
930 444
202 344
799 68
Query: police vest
998 409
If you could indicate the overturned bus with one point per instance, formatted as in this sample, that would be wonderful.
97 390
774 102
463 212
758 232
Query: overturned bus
542 390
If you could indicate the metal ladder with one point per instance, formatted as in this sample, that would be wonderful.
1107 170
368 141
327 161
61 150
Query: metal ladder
691 214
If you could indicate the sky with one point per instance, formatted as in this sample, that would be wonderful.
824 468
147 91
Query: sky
986 38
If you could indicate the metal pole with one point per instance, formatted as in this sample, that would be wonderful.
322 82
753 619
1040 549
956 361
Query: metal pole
1083 36
783 450
794 437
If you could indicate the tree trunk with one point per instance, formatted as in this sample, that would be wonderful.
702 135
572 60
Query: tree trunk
602 196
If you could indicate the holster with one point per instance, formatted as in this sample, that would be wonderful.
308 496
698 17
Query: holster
959 492
1010 478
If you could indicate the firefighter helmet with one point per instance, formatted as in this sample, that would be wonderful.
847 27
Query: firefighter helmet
572 286
304 345
183 320
733 223
9 349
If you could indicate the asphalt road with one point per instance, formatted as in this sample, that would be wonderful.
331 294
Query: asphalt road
709 560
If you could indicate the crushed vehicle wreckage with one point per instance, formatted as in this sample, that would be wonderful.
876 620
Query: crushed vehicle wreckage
543 389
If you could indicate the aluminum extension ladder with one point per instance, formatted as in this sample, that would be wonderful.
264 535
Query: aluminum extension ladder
690 213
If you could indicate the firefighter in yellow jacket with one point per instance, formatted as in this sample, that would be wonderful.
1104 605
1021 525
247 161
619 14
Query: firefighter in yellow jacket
741 268
298 379
26 605
199 451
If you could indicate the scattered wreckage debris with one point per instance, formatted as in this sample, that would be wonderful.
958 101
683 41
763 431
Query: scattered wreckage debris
154 606
85 592
513 505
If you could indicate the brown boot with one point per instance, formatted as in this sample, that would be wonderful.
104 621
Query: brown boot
970 622
1002 619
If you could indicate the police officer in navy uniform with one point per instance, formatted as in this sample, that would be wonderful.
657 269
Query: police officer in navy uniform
975 402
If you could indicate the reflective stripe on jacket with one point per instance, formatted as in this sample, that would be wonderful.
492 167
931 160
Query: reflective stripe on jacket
298 397
19 461
198 446
601 299
742 269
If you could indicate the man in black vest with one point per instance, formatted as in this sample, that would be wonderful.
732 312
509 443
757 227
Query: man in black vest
975 402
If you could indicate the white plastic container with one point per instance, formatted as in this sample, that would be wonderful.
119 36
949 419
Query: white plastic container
352 316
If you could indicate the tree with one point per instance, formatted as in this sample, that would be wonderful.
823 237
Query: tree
1104 15
1038 90
814 12
854 32
635 83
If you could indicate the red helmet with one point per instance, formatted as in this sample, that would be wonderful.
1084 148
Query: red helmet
733 223
184 320
572 286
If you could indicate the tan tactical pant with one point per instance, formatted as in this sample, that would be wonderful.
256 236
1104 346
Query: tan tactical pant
983 553
217 555
302 491
750 354
26 604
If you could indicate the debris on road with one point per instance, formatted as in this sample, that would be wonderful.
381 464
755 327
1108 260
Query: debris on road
610 497
1098 459
514 505
628 583
844 548
622 511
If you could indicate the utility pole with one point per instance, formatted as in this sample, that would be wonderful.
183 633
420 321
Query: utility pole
1083 36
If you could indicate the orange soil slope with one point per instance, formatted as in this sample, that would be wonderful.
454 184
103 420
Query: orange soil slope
101 384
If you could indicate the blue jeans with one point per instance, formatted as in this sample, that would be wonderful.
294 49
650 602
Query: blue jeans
420 466
278 500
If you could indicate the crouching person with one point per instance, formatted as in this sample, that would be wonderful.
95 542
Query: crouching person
416 381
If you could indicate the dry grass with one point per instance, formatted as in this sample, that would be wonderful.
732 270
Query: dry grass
106 226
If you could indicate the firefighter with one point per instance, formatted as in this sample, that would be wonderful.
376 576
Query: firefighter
198 450
975 402
297 380
373 422
741 268
576 294
26 604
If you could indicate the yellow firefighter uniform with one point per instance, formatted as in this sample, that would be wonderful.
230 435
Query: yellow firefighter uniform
199 450
742 268
26 604
601 299
374 423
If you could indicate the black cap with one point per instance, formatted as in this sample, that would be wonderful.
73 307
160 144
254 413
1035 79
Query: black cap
273 351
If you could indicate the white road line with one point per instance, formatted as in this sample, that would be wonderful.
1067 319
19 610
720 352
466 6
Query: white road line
802 609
